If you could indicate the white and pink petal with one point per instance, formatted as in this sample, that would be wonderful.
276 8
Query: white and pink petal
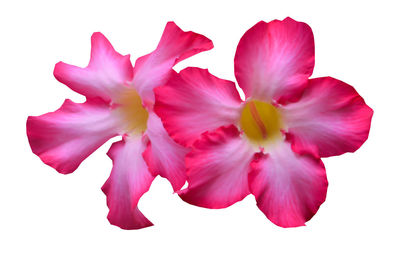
331 118
289 188
106 76
153 70
274 60
129 180
194 101
163 155
217 169
64 138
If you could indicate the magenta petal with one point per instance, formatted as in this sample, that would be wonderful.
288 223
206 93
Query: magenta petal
217 169
64 138
274 60
105 76
163 156
289 188
194 101
129 180
330 119
153 70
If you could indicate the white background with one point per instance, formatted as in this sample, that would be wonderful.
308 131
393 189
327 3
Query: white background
49 219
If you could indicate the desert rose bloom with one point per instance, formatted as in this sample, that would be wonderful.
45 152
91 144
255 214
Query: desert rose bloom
269 145
120 101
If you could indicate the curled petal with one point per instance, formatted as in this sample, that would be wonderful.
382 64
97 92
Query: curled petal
217 169
64 138
330 119
274 60
129 180
163 156
153 70
289 188
194 101
106 75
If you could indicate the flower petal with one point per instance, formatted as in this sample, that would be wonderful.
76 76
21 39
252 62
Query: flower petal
217 169
104 77
64 138
163 156
129 180
330 119
274 60
289 188
153 70
194 101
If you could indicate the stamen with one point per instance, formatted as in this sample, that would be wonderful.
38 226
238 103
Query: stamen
257 119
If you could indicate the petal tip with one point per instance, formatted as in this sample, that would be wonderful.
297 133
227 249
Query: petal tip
129 226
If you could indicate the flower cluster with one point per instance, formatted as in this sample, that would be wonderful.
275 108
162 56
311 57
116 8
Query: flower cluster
192 126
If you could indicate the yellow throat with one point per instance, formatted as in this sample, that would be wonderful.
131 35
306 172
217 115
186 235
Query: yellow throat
261 122
133 112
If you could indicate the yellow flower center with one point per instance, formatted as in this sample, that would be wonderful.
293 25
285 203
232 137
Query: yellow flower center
132 112
261 122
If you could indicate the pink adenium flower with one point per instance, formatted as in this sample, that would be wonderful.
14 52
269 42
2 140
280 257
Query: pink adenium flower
120 101
269 145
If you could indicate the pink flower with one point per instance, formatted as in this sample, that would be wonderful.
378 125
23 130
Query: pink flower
269 145
119 101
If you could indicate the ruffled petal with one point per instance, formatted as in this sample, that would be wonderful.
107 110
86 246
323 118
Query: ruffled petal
105 76
274 60
194 101
330 119
217 169
64 138
289 188
153 70
129 180
163 156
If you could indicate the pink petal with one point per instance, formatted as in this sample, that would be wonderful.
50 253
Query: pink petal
274 60
104 77
217 169
289 188
154 69
129 180
194 101
163 156
64 138
330 119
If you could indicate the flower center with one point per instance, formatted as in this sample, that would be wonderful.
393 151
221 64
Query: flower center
261 122
132 112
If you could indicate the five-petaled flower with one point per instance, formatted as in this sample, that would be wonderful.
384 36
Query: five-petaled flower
269 145
120 101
